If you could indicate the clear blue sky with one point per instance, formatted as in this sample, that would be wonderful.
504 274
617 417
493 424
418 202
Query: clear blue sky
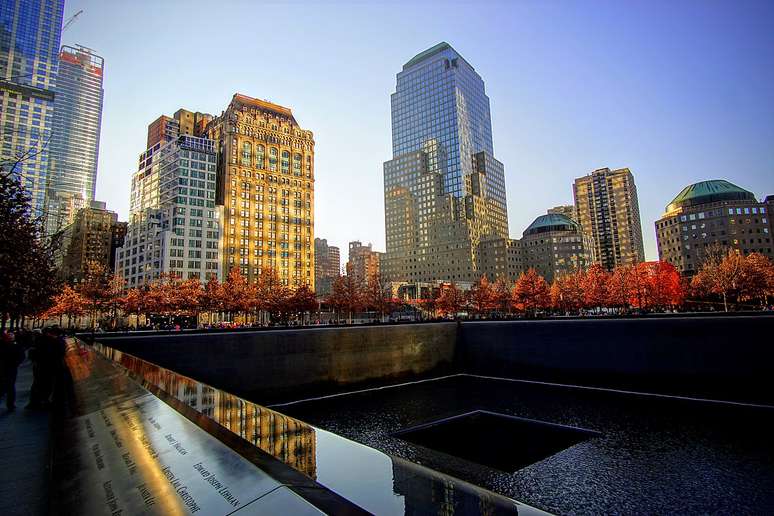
678 91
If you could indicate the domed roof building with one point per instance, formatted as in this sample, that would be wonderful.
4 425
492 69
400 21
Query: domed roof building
551 222
554 245
709 214
705 192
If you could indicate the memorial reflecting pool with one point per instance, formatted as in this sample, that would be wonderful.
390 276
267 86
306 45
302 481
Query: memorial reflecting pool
375 481
474 444
655 454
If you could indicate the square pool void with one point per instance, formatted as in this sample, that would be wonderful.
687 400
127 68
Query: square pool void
503 442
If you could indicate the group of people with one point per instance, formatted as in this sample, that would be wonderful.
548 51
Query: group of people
45 350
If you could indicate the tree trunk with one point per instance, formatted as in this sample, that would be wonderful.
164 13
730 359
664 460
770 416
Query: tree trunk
725 302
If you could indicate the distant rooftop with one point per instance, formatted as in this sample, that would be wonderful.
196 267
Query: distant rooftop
440 47
264 105
550 222
709 191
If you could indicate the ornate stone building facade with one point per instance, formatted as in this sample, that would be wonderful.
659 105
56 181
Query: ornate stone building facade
266 186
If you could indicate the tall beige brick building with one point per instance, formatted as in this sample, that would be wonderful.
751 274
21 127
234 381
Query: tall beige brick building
607 208
266 186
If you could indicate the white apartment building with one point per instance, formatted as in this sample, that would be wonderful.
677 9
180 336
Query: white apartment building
174 224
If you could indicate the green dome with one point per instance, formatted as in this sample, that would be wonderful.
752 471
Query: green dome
709 191
551 222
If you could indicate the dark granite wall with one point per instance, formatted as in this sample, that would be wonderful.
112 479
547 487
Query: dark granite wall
717 357
279 365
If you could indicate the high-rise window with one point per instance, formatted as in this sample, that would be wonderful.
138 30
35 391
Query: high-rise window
285 162
297 164
246 154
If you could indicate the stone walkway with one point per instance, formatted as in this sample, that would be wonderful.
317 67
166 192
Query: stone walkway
24 453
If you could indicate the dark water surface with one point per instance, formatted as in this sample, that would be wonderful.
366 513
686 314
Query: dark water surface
654 455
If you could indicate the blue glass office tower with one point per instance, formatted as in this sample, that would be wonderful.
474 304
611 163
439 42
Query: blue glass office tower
30 32
444 190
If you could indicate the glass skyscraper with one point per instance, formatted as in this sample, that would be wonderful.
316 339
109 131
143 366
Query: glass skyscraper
444 190
30 33
74 146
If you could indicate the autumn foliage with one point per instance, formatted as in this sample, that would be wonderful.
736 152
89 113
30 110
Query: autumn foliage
735 279
169 296
731 279
646 286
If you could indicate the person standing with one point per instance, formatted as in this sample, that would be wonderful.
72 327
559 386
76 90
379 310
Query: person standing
11 355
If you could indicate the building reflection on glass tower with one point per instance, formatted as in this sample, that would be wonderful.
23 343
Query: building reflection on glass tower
30 32
444 190
74 146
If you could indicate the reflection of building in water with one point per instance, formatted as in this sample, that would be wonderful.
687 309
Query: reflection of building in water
288 439
429 492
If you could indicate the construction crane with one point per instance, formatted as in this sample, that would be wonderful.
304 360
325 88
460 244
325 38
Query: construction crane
70 20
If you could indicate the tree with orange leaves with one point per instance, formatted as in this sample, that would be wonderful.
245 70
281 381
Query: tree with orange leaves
237 295
567 292
95 288
666 285
501 295
273 296
68 302
188 298
481 296
758 281
346 296
211 300
133 302
531 292
640 283
721 276
115 292
160 296
302 300
594 284
619 290
450 299
378 295
428 305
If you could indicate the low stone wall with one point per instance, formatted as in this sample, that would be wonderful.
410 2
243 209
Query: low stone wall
716 357
280 365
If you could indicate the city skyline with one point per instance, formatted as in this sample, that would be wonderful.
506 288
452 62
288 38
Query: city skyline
689 122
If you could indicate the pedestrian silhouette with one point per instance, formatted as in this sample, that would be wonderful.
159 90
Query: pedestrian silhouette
11 355
46 355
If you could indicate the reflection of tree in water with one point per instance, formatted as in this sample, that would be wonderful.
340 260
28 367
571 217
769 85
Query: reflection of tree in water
288 439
